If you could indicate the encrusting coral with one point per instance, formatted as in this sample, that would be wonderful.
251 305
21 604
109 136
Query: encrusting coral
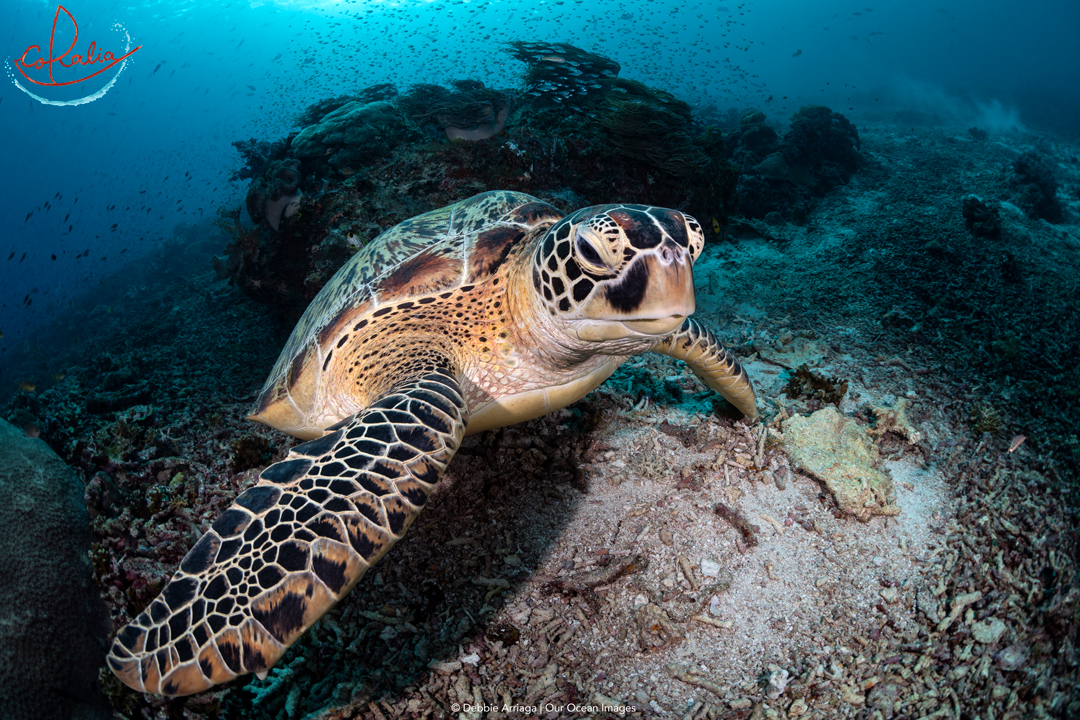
651 124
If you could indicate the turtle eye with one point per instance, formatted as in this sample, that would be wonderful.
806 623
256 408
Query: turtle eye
588 253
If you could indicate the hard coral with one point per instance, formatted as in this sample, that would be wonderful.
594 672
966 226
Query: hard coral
561 75
651 124
825 143
471 111
353 135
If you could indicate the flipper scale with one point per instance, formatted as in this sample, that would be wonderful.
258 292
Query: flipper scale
698 347
307 532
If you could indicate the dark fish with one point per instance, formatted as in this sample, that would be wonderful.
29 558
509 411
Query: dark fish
797 53
54 256
11 255
28 215
157 68
22 258
250 87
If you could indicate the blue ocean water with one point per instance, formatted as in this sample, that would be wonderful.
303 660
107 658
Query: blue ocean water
92 186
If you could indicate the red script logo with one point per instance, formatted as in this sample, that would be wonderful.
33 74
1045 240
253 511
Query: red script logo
93 56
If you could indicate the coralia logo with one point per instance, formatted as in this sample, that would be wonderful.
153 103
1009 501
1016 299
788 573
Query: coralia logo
33 60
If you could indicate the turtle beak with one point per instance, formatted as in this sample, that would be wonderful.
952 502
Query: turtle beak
653 296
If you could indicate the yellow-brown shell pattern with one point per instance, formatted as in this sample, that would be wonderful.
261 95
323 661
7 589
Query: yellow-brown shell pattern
439 251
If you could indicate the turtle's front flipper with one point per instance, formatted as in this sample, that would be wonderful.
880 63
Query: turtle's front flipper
294 544
694 344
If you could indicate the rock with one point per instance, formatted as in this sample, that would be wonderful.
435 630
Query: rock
988 631
838 452
53 624
890 595
710 568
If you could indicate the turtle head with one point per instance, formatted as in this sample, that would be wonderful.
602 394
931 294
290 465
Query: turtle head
612 271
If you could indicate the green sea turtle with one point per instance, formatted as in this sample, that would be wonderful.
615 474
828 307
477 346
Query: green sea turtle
491 311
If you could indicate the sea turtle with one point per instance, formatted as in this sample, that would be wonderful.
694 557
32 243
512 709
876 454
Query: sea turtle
491 311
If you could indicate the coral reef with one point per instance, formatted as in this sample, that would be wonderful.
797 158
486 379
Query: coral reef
825 144
365 161
788 175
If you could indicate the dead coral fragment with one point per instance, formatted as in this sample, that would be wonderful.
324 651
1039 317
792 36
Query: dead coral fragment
250 451
738 522
806 384
985 419
582 584
839 453
656 630
895 419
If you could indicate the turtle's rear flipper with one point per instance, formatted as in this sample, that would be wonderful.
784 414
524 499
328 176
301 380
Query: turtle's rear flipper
695 344
294 544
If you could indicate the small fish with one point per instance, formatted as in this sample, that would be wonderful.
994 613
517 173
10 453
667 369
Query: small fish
157 68
716 226
59 376
1016 442
797 53
26 386
250 87
31 430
